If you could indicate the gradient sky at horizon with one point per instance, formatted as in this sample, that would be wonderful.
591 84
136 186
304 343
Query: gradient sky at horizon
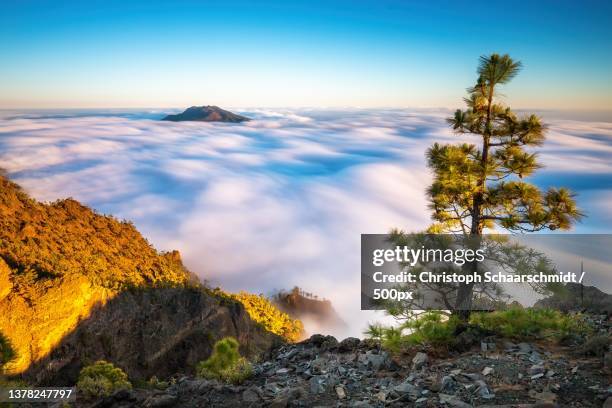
59 54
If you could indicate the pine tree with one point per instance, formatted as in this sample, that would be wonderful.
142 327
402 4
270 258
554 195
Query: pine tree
479 187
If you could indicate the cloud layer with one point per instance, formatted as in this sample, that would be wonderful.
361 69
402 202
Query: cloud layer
278 201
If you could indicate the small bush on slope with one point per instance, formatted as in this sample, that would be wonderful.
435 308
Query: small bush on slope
225 363
102 379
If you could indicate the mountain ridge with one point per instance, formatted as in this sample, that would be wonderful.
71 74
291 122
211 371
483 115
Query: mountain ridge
77 286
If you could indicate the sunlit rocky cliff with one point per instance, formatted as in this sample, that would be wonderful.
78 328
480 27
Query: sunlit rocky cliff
77 286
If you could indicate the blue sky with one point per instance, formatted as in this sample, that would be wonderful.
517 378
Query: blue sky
318 53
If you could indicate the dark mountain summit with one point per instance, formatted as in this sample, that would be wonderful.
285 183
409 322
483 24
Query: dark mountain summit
206 114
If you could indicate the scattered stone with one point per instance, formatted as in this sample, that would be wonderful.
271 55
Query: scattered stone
448 384
361 404
536 369
546 397
317 384
510 346
272 388
280 402
472 376
608 362
483 390
381 396
535 357
358 373
419 360
251 394
485 346
422 400
376 361
405 388
161 401
453 401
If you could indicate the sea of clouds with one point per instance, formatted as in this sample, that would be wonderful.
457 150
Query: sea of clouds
278 201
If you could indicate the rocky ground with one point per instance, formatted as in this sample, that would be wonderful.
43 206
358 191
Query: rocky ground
352 373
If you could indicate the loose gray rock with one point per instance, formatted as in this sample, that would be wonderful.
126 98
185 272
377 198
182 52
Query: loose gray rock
536 369
483 390
448 384
317 384
349 344
161 401
251 394
487 371
419 360
453 401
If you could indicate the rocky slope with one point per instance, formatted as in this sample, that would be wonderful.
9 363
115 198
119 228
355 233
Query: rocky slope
324 372
206 114
76 286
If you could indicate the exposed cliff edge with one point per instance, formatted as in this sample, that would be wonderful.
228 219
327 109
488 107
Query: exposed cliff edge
207 113
315 312
76 286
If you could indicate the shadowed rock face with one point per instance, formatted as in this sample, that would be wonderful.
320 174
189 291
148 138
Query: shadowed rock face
206 114
151 332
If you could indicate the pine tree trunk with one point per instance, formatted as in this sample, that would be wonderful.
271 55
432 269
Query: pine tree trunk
463 303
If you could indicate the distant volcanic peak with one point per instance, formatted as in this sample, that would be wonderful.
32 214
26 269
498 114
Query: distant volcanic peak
207 113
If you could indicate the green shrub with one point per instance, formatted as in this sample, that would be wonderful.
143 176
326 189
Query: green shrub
102 379
520 323
433 328
375 331
225 363
438 329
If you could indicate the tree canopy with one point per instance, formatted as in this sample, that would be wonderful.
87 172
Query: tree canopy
477 187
